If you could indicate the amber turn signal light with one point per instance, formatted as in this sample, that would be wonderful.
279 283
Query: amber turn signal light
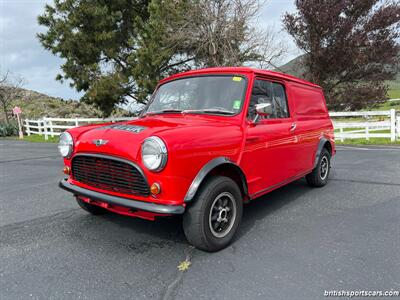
155 189
67 170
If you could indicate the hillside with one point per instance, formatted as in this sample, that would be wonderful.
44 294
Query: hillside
296 68
37 105
394 87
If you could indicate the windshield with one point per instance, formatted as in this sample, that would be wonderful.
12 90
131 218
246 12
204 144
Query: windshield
214 94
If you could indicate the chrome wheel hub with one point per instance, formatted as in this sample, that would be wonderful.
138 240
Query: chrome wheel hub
222 214
324 168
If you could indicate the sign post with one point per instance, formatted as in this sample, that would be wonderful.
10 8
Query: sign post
17 111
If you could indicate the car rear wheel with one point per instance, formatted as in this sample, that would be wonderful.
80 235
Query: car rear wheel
93 209
211 222
319 176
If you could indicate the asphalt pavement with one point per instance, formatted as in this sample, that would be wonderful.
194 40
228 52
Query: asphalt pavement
294 243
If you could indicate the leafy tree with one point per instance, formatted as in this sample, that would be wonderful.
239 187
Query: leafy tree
161 51
116 51
351 47
97 39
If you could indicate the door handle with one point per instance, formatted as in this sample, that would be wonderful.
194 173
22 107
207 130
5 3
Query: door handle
293 127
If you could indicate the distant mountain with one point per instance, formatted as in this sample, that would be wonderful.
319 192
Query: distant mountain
296 67
37 105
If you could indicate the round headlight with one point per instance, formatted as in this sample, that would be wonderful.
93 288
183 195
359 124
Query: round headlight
154 154
66 144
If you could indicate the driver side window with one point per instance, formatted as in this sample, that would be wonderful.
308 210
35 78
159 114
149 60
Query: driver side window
268 92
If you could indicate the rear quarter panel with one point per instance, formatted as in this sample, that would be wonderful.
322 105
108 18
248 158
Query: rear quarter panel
312 119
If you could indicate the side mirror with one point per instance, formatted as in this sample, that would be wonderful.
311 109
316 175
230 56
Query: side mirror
262 109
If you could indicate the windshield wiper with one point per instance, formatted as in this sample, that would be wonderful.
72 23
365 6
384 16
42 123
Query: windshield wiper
163 111
209 111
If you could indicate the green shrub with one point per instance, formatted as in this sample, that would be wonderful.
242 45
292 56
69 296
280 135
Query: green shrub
8 129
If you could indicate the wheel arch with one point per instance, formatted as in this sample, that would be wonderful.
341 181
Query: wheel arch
218 166
323 143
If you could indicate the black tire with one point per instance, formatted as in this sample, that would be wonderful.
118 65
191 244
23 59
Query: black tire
218 202
319 176
92 209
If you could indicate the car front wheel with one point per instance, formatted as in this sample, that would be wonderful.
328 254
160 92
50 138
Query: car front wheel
211 222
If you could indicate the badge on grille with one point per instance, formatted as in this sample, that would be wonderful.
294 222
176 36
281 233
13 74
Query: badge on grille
100 142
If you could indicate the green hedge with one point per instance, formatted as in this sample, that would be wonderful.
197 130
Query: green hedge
10 129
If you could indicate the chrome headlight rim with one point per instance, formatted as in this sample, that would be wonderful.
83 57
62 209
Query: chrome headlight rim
163 152
66 140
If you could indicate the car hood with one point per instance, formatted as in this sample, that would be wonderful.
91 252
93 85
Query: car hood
126 138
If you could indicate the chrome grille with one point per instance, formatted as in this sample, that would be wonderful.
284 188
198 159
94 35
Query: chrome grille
110 174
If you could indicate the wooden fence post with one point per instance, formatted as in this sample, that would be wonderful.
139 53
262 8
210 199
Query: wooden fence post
46 135
51 128
39 125
76 122
392 125
28 130
367 132
341 135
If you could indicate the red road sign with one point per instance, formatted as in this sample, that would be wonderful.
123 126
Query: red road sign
17 110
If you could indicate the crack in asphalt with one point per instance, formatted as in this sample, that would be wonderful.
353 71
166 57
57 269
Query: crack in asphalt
25 159
366 182
179 276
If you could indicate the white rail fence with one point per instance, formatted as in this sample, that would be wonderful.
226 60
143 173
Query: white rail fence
366 125
398 127
55 126
351 125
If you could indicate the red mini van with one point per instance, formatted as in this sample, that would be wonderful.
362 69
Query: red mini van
208 141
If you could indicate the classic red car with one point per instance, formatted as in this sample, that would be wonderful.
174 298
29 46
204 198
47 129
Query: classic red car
207 142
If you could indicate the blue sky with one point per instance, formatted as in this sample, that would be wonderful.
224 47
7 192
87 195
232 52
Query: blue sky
21 53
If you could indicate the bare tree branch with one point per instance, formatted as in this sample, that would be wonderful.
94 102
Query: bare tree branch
226 33
10 89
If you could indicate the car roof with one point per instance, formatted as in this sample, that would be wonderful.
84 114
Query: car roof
241 70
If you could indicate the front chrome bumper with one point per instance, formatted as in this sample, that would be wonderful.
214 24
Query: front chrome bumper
129 203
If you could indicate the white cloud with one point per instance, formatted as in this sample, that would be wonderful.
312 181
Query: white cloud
271 16
21 52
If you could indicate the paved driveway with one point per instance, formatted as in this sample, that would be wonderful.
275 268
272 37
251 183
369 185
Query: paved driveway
294 243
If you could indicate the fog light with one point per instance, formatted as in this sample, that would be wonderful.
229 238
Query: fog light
67 170
155 188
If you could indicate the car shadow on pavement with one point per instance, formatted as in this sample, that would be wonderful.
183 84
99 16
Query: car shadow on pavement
260 208
163 228
169 229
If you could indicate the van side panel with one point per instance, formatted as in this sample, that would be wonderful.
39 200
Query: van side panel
309 102
312 122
